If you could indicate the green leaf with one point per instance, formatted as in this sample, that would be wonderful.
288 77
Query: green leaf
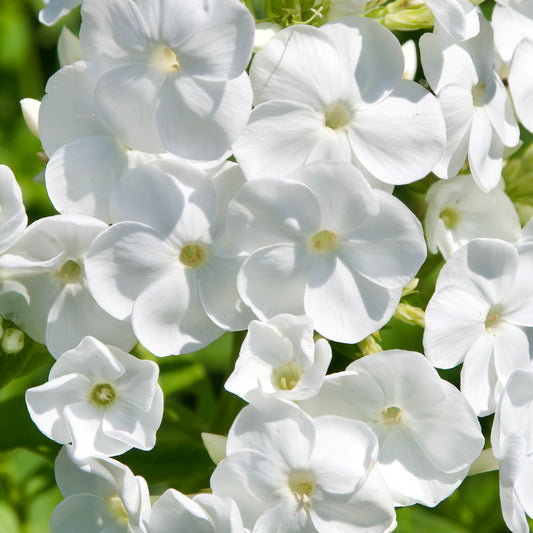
32 356
412 519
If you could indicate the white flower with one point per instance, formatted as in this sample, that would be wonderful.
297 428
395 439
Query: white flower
323 243
173 269
205 513
290 473
13 217
428 434
279 358
30 111
101 496
170 74
459 211
337 94
482 303
512 444
44 289
477 110
99 398
86 159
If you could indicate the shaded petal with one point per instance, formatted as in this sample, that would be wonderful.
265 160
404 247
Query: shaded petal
222 47
273 280
521 82
270 211
80 176
126 99
485 152
116 270
168 317
199 119
371 53
219 295
75 315
458 17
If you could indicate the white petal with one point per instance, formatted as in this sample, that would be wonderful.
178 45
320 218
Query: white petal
75 315
219 295
388 248
279 138
273 279
300 64
222 47
81 175
268 211
199 119
372 53
457 17
126 100
521 83
346 307
127 258
485 152
168 317
383 135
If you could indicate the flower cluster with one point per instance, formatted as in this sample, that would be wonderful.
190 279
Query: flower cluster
212 177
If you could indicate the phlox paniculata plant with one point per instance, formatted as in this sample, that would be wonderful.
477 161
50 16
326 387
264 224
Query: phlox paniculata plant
279 175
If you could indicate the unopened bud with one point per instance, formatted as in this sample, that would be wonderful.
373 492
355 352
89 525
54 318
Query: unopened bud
369 345
410 287
68 48
410 314
12 341
215 446
30 111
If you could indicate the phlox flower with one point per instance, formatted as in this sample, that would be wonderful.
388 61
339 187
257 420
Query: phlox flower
170 74
44 288
280 358
13 217
477 109
169 264
325 244
336 93
459 18
85 158
479 315
204 513
428 434
290 473
102 400
512 445
101 496
459 211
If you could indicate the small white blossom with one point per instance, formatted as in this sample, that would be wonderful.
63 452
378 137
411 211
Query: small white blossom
279 358
102 400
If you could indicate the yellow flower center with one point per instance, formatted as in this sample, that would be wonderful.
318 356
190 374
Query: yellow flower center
193 255
450 217
70 272
116 509
493 317
391 416
324 241
165 60
286 376
102 394
302 484
337 117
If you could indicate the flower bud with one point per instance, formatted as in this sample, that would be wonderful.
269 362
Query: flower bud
12 341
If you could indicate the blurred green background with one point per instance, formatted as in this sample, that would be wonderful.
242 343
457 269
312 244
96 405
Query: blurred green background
193 384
